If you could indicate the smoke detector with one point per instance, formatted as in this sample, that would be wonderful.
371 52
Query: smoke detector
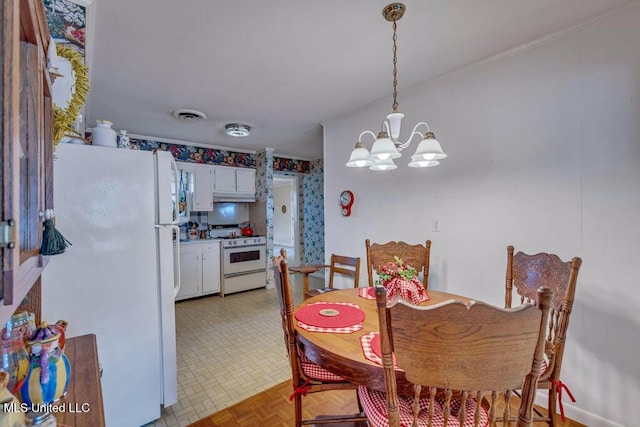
188 115
237 129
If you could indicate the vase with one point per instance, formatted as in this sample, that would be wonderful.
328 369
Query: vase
14 360
103 134
49 368
8 416
123 139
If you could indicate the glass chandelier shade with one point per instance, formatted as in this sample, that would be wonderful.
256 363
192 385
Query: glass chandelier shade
383 148
429 149
359 157
383 165
386 146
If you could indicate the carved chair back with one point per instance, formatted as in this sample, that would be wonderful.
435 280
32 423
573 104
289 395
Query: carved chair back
526 274
417 256
458 354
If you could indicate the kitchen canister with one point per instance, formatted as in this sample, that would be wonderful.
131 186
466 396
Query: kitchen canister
123 139
103 134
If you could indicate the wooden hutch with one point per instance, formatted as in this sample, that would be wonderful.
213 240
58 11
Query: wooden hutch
26 158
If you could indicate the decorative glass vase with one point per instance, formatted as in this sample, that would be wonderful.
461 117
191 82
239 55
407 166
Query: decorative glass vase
123 139
14 360
103 134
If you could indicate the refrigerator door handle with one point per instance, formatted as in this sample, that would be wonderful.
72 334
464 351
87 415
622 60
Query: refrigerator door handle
176 262
176 209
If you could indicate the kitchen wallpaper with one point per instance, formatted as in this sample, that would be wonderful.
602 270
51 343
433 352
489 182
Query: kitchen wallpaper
215 156
313 213
190 153
264 193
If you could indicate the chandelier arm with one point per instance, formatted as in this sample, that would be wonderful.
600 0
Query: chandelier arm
386 127
413 133
366 132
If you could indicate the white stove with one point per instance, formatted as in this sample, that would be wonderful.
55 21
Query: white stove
244 264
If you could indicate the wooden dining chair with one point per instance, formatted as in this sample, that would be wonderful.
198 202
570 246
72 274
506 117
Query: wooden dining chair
526 274
460 359
343 266
307 376
417 256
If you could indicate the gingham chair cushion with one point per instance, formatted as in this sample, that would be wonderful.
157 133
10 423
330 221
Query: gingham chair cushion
316 372
374 404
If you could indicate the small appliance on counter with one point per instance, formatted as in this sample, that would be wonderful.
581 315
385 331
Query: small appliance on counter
246 228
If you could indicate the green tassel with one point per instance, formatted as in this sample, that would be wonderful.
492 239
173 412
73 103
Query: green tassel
53 243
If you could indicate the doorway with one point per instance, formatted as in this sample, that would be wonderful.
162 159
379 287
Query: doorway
285 217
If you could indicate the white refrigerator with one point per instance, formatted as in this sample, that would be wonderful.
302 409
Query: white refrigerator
119 277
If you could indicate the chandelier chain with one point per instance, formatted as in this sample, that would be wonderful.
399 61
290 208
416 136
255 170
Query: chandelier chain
395 67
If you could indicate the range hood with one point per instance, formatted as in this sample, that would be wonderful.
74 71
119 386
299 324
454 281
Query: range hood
233 197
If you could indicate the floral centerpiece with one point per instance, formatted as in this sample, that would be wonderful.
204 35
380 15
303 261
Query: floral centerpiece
401 279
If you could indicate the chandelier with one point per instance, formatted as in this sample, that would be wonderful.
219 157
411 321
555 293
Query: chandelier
386 146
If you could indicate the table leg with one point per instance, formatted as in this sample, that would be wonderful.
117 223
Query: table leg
305 286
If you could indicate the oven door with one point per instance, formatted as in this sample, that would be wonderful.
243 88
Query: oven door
243 260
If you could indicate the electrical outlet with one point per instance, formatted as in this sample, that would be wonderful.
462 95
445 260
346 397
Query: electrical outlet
436 225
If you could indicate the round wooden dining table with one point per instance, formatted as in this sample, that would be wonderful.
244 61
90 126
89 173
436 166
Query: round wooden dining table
342 354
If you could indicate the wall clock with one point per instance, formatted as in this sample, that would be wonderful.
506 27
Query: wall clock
346 201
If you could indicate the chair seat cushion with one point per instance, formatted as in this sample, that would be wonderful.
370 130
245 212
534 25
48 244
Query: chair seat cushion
374 404
317 372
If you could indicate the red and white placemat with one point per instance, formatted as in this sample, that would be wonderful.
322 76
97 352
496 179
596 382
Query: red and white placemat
371 348
331 317
367 293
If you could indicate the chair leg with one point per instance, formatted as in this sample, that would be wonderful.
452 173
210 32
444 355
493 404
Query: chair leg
551 407
297 400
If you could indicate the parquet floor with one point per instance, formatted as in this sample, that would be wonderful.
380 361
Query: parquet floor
272 408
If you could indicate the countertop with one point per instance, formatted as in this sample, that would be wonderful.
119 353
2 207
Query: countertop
195 241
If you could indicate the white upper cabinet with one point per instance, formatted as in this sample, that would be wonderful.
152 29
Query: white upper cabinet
224 179
202 188
246 181
234 184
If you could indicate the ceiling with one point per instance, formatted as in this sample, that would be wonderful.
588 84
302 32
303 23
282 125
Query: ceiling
284 66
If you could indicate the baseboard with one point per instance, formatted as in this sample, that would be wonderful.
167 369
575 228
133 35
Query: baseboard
577 414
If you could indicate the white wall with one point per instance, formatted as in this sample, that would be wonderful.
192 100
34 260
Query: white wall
544 154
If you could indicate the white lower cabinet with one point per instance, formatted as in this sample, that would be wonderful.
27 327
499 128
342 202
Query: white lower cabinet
199 269
210 268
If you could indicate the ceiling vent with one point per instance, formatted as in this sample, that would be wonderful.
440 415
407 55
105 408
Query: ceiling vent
188 115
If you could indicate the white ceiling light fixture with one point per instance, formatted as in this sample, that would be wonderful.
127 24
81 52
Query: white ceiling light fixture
386 146
187 115
237 130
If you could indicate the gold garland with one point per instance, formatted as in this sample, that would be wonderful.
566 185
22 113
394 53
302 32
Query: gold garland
63 120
